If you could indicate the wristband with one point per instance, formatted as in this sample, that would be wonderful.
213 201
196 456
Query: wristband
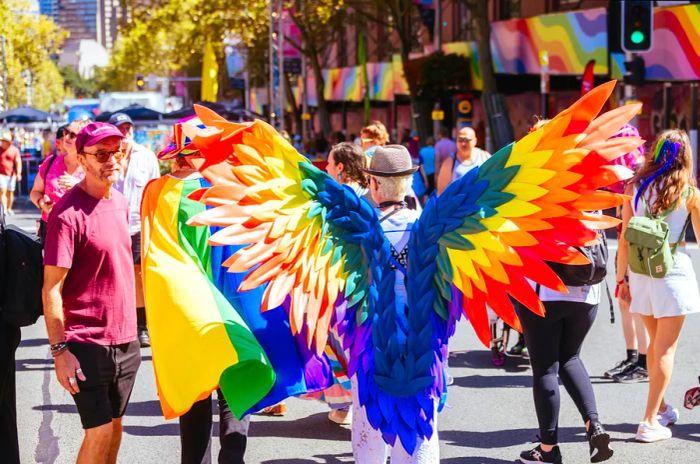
58 347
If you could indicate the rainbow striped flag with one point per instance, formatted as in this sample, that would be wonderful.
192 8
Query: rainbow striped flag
199 341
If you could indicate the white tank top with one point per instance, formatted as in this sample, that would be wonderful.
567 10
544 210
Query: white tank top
675 220
478 158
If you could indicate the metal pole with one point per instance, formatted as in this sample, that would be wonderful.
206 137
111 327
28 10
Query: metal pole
271 63
437 27
304 94
280 60
544 83
694 123
437 36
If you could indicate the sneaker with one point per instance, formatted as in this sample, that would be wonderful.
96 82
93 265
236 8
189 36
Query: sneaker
598 442
341 416
144 338
633 374
517 349
668 417
538 455
618 369
651 433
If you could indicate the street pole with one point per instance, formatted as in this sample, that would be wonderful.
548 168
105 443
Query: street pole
544 83
437 36
280 59
304 94
271 63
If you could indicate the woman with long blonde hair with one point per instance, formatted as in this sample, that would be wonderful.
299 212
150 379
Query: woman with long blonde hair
664 188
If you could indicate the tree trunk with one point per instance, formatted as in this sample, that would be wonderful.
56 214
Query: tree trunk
292 102
499 123
323 115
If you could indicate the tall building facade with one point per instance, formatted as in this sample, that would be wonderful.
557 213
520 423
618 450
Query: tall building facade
97 20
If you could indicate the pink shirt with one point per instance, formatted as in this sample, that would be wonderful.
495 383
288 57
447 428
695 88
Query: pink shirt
90 237
51 187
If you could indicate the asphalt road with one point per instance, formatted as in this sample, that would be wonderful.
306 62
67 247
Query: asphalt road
489 417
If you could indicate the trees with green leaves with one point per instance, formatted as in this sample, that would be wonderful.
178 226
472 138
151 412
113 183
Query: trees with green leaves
31 42
494 103
170 37
319 22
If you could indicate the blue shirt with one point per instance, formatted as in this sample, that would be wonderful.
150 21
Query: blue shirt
427 155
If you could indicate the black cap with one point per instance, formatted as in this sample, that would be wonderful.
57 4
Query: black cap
117 119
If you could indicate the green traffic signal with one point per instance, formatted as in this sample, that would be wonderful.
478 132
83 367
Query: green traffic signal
637 37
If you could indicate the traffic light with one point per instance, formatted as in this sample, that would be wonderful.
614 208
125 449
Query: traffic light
637 25
140 82
635 71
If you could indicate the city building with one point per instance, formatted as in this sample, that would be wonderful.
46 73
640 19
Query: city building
571 32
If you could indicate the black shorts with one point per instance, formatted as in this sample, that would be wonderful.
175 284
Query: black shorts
110 372
136 247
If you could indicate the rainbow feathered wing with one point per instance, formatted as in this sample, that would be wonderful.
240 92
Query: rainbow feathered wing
323 253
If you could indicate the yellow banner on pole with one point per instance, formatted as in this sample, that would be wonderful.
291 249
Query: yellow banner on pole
210 74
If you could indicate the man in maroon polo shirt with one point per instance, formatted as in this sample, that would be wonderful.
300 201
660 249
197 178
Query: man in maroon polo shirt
89 295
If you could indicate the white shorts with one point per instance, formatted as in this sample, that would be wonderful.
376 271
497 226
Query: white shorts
8 183
674 295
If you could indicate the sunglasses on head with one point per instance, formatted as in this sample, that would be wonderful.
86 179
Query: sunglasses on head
464 139
103 156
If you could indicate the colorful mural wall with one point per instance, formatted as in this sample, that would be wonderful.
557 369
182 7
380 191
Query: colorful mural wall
675 52
571 39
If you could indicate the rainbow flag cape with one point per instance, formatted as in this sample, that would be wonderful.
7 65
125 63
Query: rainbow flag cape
199 340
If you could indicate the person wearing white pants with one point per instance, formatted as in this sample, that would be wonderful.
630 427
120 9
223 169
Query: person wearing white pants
368 447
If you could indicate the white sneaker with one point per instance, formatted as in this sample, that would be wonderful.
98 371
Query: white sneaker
668 417
649 434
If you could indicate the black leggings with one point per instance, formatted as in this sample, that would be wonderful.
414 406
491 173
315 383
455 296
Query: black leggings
195 434
554 344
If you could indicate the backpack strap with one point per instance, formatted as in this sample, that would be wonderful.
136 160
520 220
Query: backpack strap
48 166
682 236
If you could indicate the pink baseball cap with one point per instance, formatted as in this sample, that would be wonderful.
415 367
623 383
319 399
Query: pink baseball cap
94 133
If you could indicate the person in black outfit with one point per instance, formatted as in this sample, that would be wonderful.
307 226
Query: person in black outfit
195 433
554 344
9 341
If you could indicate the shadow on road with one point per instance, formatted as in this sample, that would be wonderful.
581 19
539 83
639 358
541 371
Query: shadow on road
33 364
508 438
35 342
494 381
319 458
316 426
475 460
481 359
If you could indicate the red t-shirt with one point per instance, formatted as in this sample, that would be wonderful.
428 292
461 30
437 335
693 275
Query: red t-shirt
90 237
8 160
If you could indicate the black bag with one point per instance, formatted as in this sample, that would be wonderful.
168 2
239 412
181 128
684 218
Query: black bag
579 275
21 275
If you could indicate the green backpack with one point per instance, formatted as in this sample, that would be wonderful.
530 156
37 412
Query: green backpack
650 252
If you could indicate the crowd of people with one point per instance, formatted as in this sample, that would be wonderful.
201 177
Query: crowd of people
90 195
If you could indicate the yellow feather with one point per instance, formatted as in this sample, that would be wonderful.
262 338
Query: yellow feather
533 176
517 208
525 192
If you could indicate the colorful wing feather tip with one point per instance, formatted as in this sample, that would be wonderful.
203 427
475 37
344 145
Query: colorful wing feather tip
528 203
